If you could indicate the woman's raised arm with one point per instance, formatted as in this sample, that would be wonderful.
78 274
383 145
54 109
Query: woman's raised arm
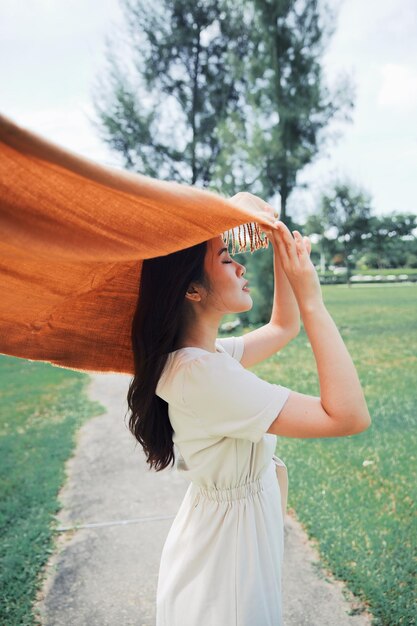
341 408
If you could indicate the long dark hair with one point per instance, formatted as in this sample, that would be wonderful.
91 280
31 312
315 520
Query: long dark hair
157 325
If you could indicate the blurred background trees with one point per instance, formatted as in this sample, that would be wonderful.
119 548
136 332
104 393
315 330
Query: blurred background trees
347 211
230 96
348 233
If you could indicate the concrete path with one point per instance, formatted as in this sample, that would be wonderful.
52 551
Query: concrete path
105 574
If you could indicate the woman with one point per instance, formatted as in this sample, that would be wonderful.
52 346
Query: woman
222 559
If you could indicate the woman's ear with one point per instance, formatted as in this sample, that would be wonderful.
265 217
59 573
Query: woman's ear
193 294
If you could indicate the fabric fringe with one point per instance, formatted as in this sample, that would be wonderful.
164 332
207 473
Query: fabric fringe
243 235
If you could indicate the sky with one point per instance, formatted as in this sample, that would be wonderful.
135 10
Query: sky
52 52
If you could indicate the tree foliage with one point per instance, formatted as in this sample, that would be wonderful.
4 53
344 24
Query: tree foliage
391 242
164 119
351 235
288 106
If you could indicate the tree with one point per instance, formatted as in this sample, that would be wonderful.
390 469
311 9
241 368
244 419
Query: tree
348 231
163 118
346 209
391 241
287 104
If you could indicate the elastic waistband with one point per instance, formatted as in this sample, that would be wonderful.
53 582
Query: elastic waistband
236 493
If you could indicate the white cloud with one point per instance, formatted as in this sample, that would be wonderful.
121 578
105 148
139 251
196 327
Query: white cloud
398 89
68 127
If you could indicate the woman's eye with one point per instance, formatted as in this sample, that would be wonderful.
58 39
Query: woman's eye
227 261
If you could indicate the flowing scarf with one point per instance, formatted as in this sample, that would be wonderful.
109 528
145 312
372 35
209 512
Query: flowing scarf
73 237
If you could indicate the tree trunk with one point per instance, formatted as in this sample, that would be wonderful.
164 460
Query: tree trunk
193 124
284 197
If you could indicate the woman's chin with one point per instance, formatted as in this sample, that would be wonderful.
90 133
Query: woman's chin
248 306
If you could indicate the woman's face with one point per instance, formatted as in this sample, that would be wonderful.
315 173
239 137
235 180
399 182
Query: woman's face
226 278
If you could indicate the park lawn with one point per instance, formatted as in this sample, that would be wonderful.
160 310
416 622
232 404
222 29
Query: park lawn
41 408
363 516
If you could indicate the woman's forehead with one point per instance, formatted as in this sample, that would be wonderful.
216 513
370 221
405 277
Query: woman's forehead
214 247
217 243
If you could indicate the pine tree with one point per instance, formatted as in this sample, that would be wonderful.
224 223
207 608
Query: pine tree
163 119
287 104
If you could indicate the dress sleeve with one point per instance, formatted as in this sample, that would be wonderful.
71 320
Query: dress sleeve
229 400
233 346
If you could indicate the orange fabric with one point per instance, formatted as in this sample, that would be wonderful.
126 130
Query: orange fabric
73 237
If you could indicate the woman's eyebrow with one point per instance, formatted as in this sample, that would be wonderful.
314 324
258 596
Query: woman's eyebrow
222 250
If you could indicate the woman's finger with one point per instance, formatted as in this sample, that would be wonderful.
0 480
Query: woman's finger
301 247
287 241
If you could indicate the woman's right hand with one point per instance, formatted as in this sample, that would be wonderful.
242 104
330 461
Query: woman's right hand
297 265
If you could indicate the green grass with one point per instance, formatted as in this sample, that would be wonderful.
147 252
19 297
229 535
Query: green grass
363 516
41 408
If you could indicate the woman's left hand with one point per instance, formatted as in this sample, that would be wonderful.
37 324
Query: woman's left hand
248 200
273 235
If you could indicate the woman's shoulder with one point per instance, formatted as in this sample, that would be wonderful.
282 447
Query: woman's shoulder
181 364
232 345
175 369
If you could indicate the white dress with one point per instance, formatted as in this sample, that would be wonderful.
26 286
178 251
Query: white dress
222 560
